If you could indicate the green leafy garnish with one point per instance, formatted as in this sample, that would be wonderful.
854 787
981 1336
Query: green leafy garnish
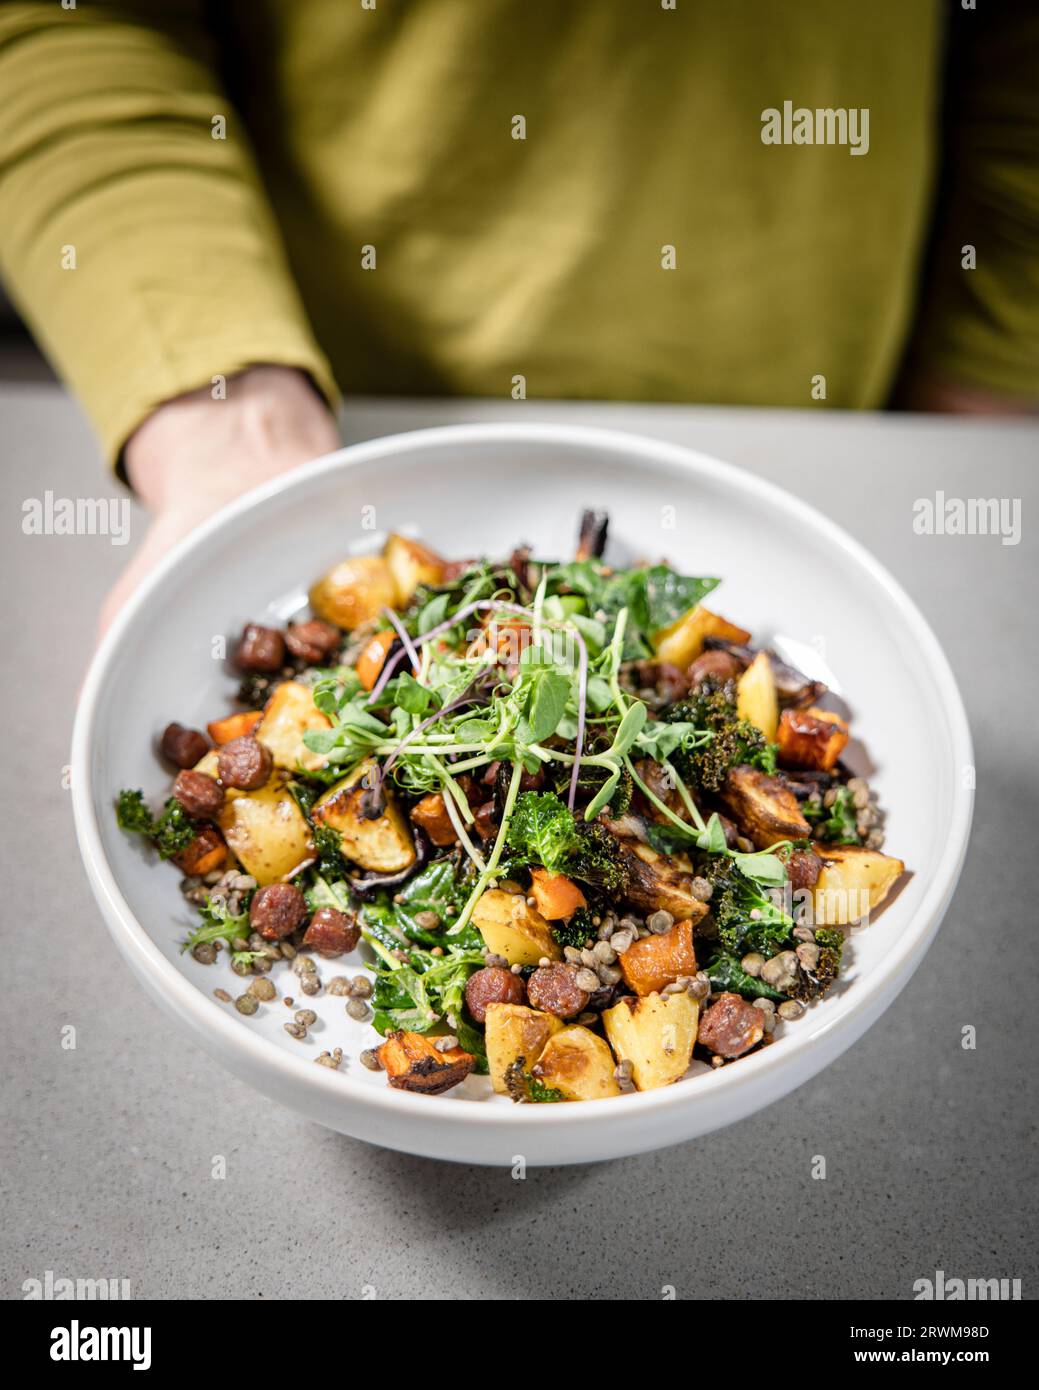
171 832
219 925
837 824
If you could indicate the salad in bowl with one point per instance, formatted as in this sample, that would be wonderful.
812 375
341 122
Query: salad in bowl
575 829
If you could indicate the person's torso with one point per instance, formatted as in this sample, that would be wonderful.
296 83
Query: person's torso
578 193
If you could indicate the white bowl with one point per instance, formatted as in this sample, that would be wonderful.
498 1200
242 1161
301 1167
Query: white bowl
481 489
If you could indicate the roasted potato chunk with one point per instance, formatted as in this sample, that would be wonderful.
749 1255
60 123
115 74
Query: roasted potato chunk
756 698
656 1034
413 1063
655 961
513 929
287 716
577 1063
683 641
763 808
383 844
655 882
354 592
411 564
511 1032
266 831
852 882
812 738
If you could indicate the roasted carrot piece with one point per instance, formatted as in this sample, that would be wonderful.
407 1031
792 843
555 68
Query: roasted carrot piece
206 852
430 815
222 731
655 961
372 659
555 895
412 1063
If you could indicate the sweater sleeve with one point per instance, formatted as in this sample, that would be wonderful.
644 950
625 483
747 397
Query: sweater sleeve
979 323
135 234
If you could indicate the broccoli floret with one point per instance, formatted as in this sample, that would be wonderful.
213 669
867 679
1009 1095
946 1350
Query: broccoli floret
524 1088
596 860
745 916
172 832
836 824
576 930
733 742
620 801
330 862
132 814
830 938
813 983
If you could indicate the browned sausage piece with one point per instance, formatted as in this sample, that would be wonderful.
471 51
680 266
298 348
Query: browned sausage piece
554 990
713 665
312 641
277 910
731 1026
803 868
245 763
331 932
486 820
260 649
493 985
199 794
183 747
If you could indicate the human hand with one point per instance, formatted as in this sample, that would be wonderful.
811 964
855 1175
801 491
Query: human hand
194 454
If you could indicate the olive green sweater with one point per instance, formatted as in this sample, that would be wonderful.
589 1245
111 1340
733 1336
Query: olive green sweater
580 198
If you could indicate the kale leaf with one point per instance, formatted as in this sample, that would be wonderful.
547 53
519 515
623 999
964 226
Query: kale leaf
542 831
747 918
726 974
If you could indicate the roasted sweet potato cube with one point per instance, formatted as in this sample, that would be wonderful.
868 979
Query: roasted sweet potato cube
430 815
555 896
222 731
812 738
655 961
373 657
206 852
412 1063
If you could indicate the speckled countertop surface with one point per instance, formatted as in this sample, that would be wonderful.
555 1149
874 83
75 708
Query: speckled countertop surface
108 1149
